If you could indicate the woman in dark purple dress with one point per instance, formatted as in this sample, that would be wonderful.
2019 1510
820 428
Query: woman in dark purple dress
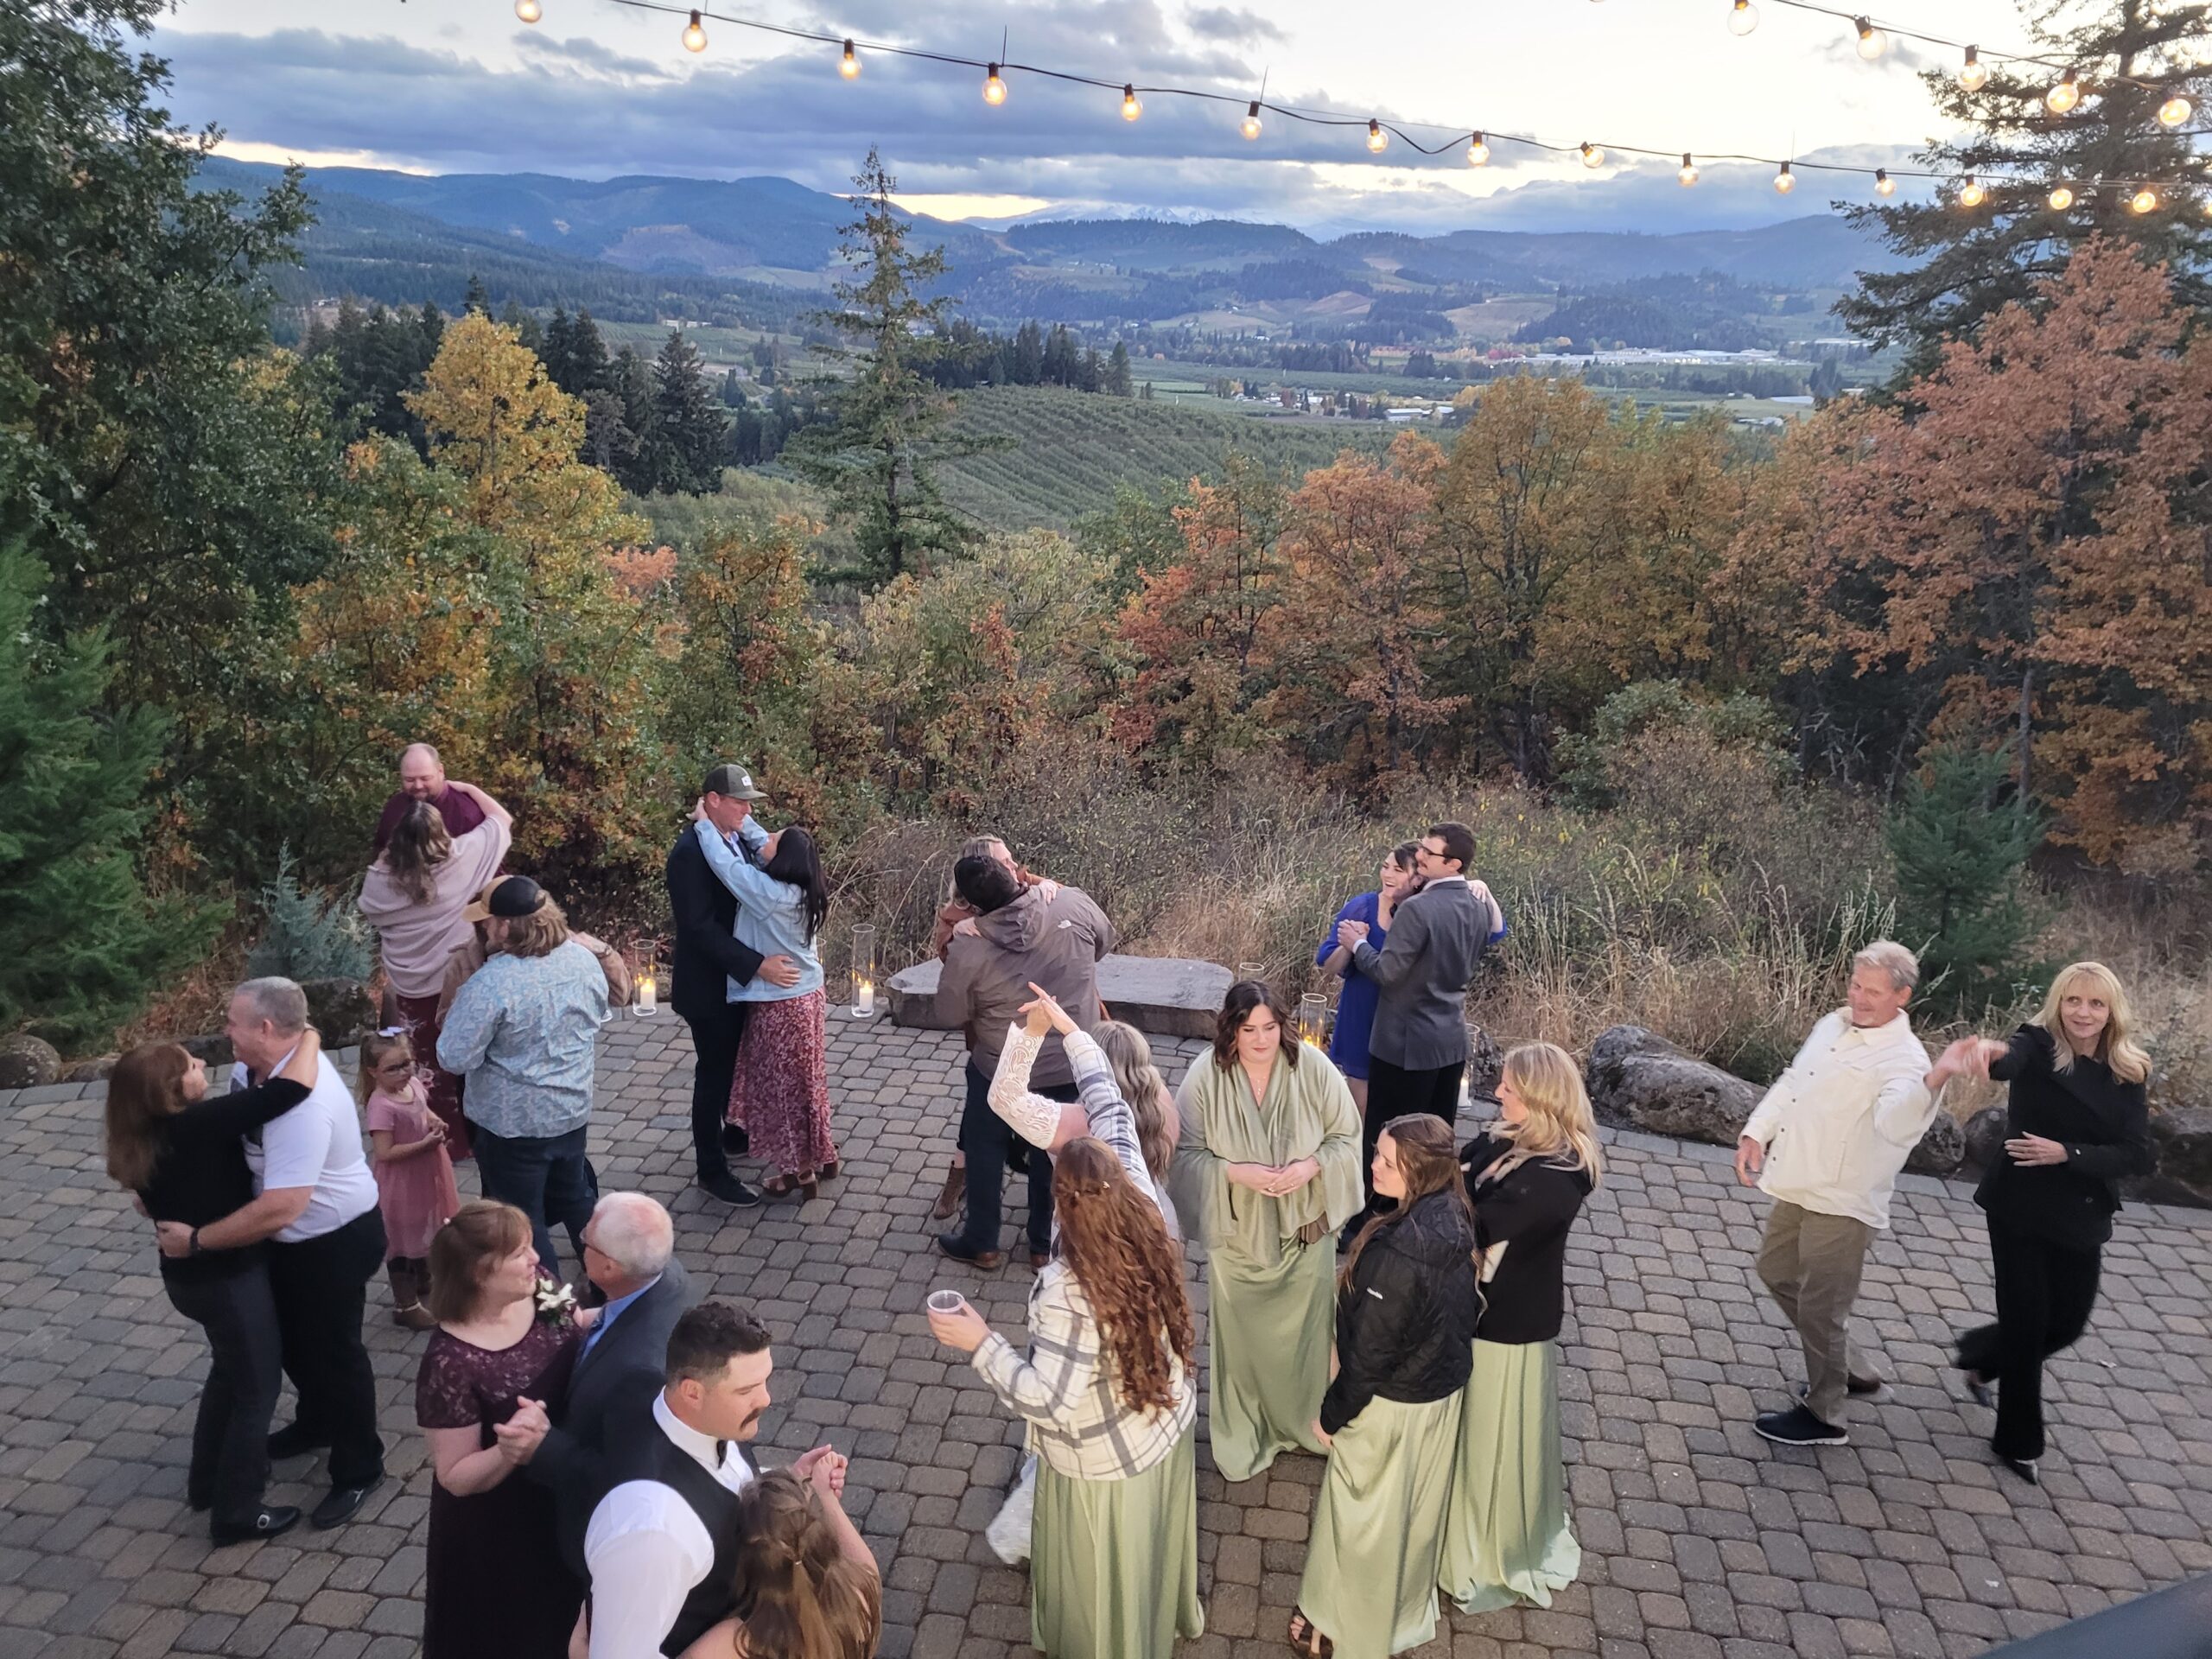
495 1371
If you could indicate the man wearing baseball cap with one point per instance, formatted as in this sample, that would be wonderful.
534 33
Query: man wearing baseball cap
709 963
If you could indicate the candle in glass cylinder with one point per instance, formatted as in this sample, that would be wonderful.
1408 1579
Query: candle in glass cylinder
1312 1018
864 999
648 995
863 971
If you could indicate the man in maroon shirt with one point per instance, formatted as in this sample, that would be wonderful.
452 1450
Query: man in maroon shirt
422 778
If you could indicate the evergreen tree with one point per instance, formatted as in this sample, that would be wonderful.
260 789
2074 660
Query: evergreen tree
625 439
1028 355
81 945
1961 838
1966 264
1117 371
690 432
558 352
476 302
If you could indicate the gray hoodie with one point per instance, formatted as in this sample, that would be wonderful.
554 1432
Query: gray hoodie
1060 944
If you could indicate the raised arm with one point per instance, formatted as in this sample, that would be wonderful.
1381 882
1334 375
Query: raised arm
243 1111
691 900
493 809
753 885
1904 1107
1042 1122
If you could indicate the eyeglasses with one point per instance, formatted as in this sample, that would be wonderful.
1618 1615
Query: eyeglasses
1433 852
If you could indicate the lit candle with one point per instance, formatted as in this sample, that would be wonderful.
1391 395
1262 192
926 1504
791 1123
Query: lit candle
864 999
648 995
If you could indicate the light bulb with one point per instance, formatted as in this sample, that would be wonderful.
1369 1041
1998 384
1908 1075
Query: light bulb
1974 73
1785 181
694 38
993 88
849 65
2060 199
1130 108
2143 200
529 11
1377 140
1252 120
1872 41
2064 96
1592 156
1743 17
1688 172
1884 184
1477 151
1971 195
2175 111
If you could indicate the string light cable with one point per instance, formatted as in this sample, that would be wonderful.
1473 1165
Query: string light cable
1477 144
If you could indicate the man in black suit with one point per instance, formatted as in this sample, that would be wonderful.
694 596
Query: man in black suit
708 957
630 1255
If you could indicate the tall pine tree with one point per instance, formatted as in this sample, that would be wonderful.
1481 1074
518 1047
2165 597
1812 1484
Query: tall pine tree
690 434
1961 839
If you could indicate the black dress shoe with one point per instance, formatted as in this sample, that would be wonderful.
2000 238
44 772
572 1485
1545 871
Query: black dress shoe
342 1505
731 1190
1977 1389
266 1522
958 1248
735 1140
294 1441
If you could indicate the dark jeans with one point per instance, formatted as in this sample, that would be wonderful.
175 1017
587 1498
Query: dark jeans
547 1177
987 1139
2045 1293
1394 1091
321 1287
230 1437
714 1038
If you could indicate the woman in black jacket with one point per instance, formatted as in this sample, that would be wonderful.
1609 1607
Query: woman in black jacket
2079 1123
182 1151
1406 1309
1509 1539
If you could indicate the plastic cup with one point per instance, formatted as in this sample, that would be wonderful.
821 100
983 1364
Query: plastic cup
946 1301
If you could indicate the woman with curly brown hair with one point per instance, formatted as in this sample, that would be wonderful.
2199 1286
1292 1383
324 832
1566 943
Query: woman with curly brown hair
1105 1388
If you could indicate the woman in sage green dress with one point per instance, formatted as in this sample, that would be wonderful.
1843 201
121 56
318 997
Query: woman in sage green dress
1267 1170
1509 1538
1405 1311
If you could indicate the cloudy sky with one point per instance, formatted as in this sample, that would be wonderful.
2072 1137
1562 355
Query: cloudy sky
598 89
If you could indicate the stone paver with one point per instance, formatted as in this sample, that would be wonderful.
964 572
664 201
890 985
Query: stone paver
1701 1541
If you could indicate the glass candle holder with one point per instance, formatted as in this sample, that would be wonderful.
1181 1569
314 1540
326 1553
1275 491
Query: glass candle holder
644 1001
863 971
1252 970
1313 1019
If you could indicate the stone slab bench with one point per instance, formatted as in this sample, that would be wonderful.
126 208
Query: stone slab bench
1167 996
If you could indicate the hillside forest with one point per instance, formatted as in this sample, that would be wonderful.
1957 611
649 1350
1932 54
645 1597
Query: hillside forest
1720 704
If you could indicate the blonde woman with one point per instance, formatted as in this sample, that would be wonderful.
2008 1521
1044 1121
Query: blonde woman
2079 1123
1507 1538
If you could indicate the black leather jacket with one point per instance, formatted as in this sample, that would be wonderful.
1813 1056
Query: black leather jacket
1406 1323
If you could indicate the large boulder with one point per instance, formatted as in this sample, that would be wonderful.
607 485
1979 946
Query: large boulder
1169 997
214 1050
26 1061
2182 1139
96 1070
1940 1150
341 1010
1984 1135
1639 1080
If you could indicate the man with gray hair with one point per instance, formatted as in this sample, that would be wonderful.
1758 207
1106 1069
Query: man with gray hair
1826 1145
317 1208
629 1251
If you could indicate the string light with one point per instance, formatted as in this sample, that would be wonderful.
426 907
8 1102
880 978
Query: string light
2060 199
1971 195
2175 111
1785 181
1884 184
1743 17
2143 200
1377 140
1130 108
849 65
1872 41
2064 96
993 88
1974 73
1251 125
529 11
1688 172
1592 156
694 38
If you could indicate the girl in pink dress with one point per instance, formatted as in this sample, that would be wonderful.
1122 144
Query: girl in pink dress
415 1186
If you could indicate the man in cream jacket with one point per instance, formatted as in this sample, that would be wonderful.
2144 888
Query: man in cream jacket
1826 1145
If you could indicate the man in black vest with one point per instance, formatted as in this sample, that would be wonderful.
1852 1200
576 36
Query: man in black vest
709 957
662 1544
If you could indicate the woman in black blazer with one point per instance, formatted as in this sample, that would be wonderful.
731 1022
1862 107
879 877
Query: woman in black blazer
2079 1123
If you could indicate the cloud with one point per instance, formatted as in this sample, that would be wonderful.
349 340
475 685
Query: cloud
1232 23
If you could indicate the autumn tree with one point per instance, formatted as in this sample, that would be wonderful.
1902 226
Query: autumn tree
2028 552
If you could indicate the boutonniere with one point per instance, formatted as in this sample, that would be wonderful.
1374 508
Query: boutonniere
556 1303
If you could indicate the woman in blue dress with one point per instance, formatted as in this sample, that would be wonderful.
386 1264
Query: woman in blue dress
1396 883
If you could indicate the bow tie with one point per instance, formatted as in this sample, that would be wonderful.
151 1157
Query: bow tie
722 1452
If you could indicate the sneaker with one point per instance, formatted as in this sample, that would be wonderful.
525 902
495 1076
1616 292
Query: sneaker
1872 1390
343 1503
264 1522
730 1190
1798 1427
293 1441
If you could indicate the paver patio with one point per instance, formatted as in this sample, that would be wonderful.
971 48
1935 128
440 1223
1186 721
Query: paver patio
1700 1541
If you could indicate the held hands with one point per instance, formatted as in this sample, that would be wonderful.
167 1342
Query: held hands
519 1437
174 1237
962 1329
1969 1057
1275 1180
1045 1011
824 1469
779 972
1351 935
2034 1149
1751 1158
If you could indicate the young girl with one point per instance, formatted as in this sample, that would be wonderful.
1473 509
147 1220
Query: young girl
415 1188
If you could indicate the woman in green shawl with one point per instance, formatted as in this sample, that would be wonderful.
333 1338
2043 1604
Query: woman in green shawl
1266 1171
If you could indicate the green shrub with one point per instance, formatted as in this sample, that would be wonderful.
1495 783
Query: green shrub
307 934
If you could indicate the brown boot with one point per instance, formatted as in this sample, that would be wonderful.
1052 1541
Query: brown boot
407 1307
955 1188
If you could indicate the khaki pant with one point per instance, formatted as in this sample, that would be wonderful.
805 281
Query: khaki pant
1812 1263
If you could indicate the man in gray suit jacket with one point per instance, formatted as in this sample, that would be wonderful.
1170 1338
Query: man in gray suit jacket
630 1255
1418 1050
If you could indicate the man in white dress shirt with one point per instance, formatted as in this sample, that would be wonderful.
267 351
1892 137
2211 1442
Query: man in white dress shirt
318 1208
662 1544
1826 1144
